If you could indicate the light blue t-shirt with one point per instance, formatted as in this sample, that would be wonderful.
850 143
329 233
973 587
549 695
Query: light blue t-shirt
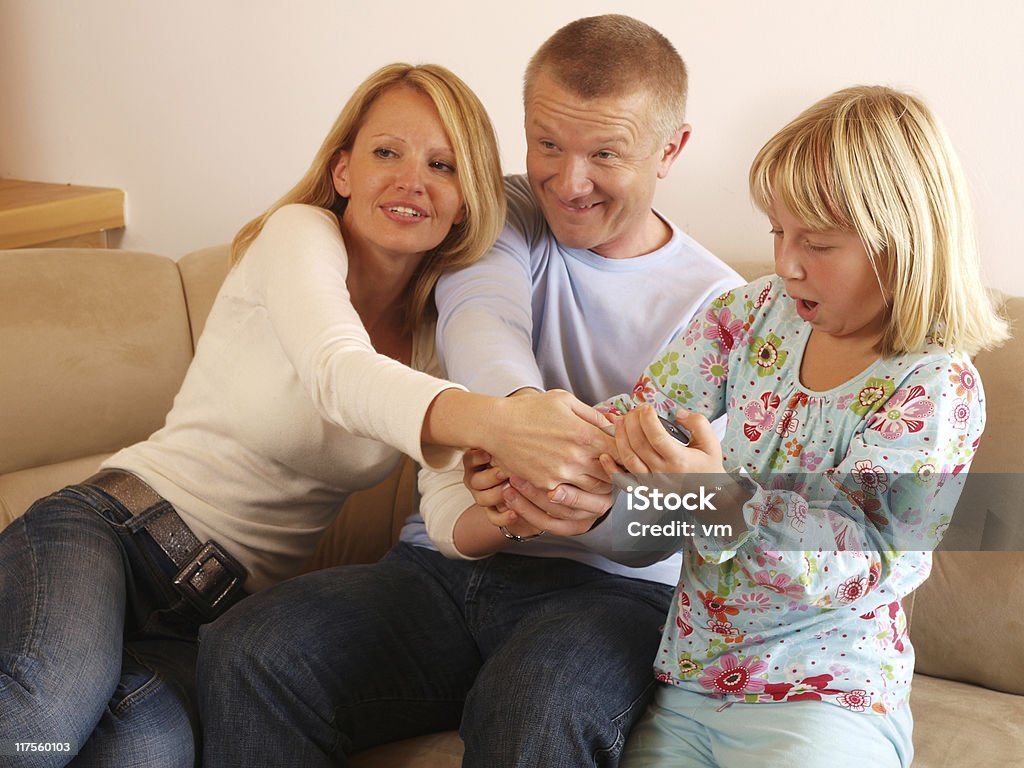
533 313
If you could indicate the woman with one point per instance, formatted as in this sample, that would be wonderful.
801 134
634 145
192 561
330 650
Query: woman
300 392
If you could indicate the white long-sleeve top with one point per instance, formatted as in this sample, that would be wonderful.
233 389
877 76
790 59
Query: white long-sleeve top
286 408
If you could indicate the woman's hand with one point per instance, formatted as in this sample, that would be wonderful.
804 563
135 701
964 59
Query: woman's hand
550 438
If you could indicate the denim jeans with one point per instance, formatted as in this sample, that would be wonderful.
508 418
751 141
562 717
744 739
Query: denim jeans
545 662
97 649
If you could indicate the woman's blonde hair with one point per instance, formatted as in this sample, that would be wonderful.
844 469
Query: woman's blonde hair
477 160
877 161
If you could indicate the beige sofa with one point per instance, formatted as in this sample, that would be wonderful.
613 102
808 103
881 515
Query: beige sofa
94 344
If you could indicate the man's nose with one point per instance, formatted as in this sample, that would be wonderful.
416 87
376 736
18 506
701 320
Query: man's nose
573 179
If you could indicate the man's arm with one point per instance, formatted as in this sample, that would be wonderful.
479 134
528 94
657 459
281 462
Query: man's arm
485 312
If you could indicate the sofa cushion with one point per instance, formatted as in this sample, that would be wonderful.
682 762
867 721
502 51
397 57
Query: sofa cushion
95 345
957 725
18 490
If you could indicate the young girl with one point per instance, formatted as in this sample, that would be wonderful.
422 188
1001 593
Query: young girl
310 379
852 401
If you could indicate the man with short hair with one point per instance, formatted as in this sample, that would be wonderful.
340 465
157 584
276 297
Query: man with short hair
543 652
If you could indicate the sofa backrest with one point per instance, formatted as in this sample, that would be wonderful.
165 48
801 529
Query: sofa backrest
968 621
95 344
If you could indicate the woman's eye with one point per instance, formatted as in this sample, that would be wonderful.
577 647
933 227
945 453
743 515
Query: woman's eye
442 165
775 232
384 152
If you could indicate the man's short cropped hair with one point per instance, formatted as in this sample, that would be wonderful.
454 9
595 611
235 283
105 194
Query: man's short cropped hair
615 55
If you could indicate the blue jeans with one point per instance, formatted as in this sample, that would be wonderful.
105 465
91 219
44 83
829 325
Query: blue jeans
97 649
545 662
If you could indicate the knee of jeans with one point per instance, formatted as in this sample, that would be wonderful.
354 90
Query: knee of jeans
234 641
148 723
34 712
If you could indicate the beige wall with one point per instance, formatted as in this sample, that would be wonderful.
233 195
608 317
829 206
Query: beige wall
205 111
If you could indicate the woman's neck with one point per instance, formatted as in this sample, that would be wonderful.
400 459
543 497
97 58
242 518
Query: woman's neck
377 283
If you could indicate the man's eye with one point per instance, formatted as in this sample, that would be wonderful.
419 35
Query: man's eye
548 145
606 155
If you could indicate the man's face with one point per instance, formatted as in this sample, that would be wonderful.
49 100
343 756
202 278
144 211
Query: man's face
593 165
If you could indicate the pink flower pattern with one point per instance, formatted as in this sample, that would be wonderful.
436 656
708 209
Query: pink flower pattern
905 411
722 327
734 677
736 615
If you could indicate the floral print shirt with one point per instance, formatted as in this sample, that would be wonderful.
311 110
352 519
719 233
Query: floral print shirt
851 489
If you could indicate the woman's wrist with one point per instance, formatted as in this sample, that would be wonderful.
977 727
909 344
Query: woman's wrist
460 419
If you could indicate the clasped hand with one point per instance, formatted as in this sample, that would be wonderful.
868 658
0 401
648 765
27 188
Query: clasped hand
641 445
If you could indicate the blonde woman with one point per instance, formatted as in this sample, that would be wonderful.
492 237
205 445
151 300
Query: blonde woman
314 373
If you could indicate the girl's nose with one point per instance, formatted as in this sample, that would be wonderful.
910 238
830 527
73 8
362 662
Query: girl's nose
787 259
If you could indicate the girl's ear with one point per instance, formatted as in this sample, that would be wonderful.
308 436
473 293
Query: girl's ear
340 174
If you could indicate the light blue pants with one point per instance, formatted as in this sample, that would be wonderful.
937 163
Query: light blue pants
686 729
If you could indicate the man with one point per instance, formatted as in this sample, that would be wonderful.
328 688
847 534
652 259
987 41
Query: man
543 652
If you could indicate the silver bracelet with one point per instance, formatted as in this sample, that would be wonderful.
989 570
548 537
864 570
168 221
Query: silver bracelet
516 537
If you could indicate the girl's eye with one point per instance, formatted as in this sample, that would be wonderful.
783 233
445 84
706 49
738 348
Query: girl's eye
817 248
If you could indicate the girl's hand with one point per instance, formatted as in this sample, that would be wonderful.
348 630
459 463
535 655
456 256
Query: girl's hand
645 448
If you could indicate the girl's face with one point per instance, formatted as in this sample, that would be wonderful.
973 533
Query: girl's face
829 276
399 177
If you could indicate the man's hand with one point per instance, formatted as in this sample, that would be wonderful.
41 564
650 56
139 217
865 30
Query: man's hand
575 511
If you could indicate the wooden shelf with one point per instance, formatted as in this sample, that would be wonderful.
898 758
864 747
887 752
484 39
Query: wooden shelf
36 214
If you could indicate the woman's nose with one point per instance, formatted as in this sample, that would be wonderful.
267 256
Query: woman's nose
410 178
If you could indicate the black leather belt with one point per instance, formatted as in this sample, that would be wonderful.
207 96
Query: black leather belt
208 577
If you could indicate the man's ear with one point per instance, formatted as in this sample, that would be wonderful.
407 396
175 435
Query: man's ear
340 174
672 148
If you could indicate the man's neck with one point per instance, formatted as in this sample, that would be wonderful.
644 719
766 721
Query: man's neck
655 234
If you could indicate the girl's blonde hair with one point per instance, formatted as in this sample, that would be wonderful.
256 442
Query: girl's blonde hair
877 161
478 166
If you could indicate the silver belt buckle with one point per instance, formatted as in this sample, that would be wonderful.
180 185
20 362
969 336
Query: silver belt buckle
209 578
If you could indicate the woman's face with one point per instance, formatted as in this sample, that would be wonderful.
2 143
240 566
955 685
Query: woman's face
399 177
